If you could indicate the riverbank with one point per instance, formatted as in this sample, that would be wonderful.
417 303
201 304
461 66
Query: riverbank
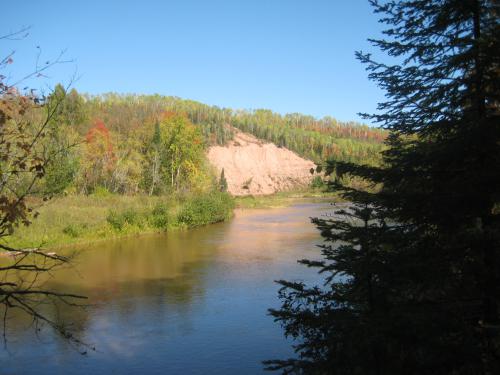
166 298
283 199
80 219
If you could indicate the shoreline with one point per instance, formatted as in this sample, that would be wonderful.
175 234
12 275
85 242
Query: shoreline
81 221
282 199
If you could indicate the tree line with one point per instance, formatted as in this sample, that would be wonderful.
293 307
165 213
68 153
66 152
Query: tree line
153 144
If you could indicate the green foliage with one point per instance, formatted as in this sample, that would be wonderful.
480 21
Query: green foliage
75 230
60 174
118 221
131 217
181 150
174 156
210 208
68 107
131 144
222 182
160 216
317 182
315 139
125 113
29 142
101 192
59 148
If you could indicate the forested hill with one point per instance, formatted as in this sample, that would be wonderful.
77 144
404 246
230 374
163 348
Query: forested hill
315 139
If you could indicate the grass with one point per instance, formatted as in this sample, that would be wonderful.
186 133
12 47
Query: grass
85 219
77 219
282 199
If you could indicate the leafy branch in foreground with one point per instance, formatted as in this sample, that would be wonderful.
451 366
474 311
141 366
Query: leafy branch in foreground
26 122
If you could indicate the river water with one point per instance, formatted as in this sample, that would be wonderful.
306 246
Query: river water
191 302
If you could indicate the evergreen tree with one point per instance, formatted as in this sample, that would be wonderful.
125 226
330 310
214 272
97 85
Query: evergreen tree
340 325
437 279
222 182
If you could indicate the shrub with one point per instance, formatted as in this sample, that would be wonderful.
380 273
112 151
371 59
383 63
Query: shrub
60 175
74 230
209 208
116 220
317 183
101 192
159 216
131 217
127 217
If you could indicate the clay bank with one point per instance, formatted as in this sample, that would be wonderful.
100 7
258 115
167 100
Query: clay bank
254 167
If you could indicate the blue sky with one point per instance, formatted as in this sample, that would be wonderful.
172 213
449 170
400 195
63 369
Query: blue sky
285 55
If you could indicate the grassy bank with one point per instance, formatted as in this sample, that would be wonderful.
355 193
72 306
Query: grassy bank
80 219
283 199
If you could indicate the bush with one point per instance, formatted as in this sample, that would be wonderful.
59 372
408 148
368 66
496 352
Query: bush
131 217
159 216
74 230
209 208
119 220
101 192
115 220
317 183
60 175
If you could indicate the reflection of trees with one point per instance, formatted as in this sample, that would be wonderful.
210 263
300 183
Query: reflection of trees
154 299
131 277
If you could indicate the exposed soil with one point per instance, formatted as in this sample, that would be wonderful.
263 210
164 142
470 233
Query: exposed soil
254 167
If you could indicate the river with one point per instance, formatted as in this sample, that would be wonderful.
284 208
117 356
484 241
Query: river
191 302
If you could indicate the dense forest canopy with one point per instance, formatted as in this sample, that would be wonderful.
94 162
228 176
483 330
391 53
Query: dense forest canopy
317 139
154 144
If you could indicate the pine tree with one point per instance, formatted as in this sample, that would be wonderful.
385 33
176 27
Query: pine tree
341 325
222 182
437 200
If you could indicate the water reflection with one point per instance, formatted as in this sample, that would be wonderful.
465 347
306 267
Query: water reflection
189 302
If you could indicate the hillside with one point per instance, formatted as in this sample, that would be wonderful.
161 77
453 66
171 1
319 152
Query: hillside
254 167
312 138
157 145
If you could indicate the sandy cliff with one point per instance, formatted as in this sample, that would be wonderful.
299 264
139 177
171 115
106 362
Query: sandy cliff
252 166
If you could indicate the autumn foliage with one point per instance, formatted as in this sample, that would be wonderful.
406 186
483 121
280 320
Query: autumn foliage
99 159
